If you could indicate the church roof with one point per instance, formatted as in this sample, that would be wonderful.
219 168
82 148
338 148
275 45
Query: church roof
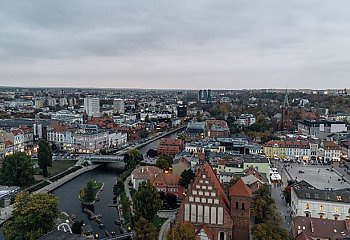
240 189
211 174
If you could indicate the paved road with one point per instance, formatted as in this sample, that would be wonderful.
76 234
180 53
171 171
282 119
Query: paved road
277 195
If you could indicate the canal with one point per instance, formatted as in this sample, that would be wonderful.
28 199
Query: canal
68 194
69 202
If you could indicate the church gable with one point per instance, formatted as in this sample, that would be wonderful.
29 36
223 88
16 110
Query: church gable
206 202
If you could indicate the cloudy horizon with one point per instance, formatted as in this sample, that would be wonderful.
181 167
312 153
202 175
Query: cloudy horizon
181 45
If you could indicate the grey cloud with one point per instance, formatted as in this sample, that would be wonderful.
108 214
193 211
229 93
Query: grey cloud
155 43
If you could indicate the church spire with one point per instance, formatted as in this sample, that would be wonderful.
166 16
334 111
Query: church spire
286 101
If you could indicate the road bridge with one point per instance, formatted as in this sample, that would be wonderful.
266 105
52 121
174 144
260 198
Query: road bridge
105 158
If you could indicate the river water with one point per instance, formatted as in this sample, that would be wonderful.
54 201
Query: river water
69 202
68 194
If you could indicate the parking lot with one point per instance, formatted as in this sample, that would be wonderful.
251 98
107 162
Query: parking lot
320 176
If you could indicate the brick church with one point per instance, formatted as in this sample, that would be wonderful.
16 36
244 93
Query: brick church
216 216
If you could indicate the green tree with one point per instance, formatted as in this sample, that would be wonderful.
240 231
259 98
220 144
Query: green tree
17 170
44 156
182 231
162 164
87 193
132 157
263 204
186 177
271 229
147 201
33 216
144 230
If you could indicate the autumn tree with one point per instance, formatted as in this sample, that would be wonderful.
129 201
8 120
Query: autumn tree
33 216
147 201
132 157
144 230
17 170
182 231
44 156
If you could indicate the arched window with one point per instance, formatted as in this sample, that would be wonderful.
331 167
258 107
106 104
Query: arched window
222 236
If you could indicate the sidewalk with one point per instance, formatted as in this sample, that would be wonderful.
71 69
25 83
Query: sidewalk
127 192
5 213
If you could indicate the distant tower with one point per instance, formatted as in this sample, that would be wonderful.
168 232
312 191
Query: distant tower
285 121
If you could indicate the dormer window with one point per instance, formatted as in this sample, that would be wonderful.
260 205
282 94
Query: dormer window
339 198
307 206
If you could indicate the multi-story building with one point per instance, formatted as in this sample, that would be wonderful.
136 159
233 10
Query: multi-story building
92 106
246 120
61 135
118 106
170 146
168 183
207 206
306 200
89 139
144 173
321 128
332 151
217 128
182 111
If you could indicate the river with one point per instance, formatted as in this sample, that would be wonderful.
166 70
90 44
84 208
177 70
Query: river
68 193
69 202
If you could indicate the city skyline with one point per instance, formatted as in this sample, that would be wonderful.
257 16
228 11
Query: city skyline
177 45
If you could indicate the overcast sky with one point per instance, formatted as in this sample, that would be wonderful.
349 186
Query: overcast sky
226 44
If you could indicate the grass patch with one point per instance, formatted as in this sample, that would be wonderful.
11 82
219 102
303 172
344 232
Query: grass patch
59 166
158 222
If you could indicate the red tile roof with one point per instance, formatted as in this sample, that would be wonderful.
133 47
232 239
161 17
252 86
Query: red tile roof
240 189
166 179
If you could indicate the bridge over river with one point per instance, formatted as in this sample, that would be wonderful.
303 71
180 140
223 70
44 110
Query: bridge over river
118 157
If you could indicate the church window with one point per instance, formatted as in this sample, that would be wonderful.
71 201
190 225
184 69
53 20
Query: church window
213 215
210 200
242 206
220 215
190 199
213 194
197 199
236 205
221 236
200 193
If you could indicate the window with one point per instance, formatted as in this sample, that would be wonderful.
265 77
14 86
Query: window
236 205
213 194
242 206
339 198
194 192
200 193
204 176
321 208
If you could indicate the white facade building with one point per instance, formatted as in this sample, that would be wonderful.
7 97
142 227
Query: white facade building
308 201
92 106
